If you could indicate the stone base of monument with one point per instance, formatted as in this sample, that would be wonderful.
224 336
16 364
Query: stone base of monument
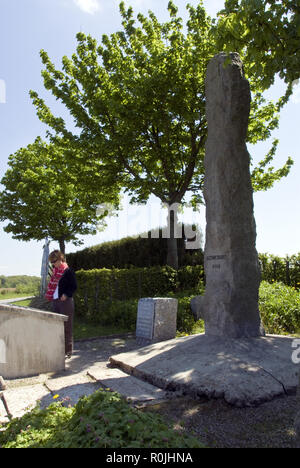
156 320
244 372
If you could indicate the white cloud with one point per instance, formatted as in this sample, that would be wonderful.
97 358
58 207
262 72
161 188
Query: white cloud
88 6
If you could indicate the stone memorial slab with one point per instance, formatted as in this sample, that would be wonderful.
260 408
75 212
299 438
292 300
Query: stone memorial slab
156 320
145 320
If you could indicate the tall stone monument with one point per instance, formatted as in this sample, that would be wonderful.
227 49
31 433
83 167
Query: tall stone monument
231 262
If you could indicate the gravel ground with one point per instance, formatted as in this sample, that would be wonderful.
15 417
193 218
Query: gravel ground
219 425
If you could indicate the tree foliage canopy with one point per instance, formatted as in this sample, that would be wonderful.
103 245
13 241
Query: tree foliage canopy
267 32
138 100
43 198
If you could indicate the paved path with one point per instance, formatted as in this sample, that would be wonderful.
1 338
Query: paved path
243 372
85 372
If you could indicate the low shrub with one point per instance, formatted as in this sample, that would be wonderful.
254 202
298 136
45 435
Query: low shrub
123 314
186 324
279 308
191 277
99 287
277 269
101 420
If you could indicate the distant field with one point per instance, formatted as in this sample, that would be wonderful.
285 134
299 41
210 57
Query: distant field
10 293
18 286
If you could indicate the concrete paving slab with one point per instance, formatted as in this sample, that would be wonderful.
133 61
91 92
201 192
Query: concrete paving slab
135 390
22 399
69 389
245 372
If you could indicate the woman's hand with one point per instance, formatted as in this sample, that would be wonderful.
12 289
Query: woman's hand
64 297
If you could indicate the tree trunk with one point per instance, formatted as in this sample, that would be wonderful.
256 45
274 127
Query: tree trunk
172 255
62 246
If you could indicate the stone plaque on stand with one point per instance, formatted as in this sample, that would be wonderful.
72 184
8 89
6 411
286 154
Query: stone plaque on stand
156 320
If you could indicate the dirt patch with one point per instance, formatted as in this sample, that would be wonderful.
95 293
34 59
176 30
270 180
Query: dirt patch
219 425
41 304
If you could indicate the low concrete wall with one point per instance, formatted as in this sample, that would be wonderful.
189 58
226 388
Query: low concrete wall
31 341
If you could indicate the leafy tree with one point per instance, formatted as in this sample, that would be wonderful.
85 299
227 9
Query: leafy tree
23 283
43 198
139 102
267 32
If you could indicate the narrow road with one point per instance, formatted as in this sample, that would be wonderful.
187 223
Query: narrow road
15 299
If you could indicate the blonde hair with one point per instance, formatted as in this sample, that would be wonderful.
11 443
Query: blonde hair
55 256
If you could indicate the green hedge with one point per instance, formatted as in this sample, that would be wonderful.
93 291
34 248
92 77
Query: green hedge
132 251
279 307
285 270
110 297
140 252
101 294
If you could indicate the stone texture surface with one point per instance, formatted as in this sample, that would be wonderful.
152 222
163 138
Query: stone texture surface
244 372
156 319
31 341
231 260
197 307
135 390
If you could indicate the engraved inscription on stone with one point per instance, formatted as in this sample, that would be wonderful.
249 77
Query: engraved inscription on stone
215 262
145 319
216 257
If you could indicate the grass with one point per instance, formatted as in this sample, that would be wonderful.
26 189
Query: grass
13 295
25 303
84 330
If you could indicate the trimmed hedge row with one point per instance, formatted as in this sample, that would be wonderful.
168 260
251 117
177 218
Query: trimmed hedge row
132 251
142 253
279 307
277 269
98 290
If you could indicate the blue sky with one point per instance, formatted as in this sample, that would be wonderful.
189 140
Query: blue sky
31 25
